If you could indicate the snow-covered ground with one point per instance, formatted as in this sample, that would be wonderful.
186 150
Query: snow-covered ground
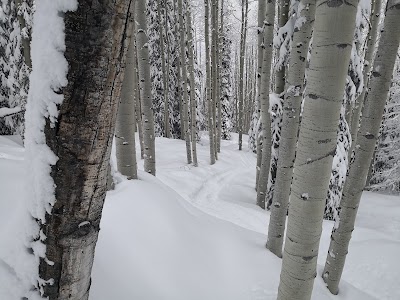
196 234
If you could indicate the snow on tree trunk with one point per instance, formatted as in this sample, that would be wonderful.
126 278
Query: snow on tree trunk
70 119
264 98
126 118
145 87
290 124
332 40
366 139
368 62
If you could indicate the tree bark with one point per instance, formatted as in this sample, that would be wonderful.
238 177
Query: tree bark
82 139
368 62
264 99
126 118
290 127
193 106
245 7
280 70
145 86
366 139
26 42
163 64
208 82
261 18
185 113
330 57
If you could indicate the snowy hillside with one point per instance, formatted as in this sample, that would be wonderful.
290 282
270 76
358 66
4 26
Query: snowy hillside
196 233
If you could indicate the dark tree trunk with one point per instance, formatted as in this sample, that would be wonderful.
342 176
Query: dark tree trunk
97 35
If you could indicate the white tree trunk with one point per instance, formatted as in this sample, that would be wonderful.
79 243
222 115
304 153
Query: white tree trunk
366 139
368 58
290 127
208 83
245 5
261 18
185 112
145 86
193 105
125 126
332 43
264 98
280 70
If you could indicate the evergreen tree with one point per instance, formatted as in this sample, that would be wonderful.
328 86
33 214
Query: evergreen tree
15 26
154 31
386 171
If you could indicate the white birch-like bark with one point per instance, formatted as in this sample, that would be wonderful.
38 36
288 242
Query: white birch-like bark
185 112
125 126
264 99
368 58
208 82
245 7
193 105
368 132
280 70
290 126
214 69
261 18
332 43
145 86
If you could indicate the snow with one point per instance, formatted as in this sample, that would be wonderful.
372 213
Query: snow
196 233
48 77
5 111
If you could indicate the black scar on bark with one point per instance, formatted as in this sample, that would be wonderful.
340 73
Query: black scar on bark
334 3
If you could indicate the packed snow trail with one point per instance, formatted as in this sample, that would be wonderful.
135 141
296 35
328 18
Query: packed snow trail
225 190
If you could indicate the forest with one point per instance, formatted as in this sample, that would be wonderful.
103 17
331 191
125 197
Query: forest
199 149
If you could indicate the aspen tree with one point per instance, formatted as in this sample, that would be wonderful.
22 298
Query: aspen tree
145 87
264 99
81 141
208 83
330 56
290 126
368 63
193 105
245 8
280 68
367 135
185 112
125 127
261 18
